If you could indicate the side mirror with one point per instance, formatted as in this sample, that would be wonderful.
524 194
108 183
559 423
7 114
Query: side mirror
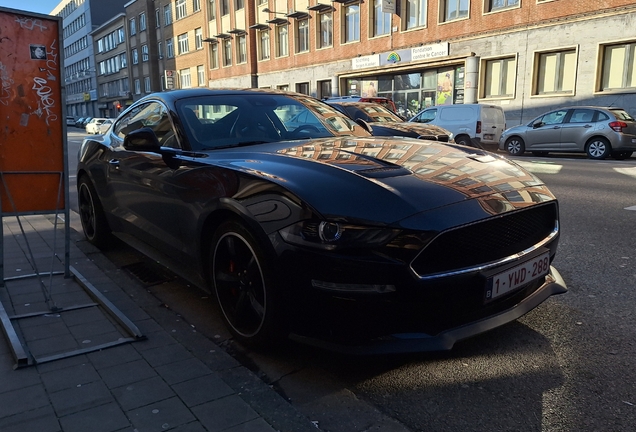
365 125
537 124
143 139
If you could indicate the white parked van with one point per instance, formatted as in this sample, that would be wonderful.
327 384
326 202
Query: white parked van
477 125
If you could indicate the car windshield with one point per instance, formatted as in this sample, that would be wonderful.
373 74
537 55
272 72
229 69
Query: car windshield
233 120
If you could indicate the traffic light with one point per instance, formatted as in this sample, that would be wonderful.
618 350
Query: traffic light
118 106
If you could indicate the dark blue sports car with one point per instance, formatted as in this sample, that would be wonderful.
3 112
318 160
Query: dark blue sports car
318 230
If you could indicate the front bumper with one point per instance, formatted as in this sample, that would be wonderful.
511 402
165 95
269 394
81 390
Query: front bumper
445 340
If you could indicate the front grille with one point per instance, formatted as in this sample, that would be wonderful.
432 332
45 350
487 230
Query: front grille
487 241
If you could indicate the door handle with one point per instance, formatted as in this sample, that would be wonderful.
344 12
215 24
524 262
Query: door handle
113 162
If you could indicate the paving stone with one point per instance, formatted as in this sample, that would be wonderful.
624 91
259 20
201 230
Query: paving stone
21 400
155 340
62 363
52 345
104 418
183 370
82 316
80 398
127 373
15 379
256 425
72 376
162 415
113 356
190 427
142 393
47 330
164 355
224 413
202 390
37 420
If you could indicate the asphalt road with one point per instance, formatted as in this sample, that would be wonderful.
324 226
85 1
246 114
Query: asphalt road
566 366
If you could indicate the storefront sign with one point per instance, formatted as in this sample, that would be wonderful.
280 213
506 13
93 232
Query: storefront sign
169 78
388 6
365 62
426 52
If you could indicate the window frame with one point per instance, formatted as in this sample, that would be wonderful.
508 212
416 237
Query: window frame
444 12
560 74
264 45
506 62
183 43
490 7
325 30
227 52
198 38
628 67
180 9
421 17
167 14
380 22
351 25
301 44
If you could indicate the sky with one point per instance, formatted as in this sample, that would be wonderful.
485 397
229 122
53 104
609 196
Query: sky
39 6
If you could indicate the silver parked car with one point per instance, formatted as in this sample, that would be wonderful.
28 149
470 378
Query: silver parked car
596 131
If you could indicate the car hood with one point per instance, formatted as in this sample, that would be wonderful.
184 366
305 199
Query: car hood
386 181
418 128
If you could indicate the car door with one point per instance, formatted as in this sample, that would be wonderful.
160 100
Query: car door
544 134
146 205
576 130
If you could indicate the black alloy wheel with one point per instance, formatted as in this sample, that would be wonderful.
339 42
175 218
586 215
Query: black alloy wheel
515 146
241 279
92 216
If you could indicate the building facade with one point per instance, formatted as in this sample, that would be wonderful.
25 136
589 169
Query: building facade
79 18
525 55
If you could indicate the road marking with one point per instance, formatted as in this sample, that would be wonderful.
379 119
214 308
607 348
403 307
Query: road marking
538 167
626 171
631 208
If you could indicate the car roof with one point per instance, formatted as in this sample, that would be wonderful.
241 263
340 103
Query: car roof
174 95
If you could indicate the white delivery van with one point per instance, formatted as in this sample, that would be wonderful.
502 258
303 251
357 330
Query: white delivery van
477 125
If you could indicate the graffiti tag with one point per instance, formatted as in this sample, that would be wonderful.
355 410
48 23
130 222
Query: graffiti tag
46 102
5 85
30 23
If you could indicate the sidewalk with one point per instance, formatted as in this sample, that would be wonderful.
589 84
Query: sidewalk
87 372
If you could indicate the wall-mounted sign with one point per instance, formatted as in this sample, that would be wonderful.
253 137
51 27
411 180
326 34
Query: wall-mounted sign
169 79
388 6
365 62
426 52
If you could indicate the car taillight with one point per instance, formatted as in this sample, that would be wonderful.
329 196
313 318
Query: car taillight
618 125
478 127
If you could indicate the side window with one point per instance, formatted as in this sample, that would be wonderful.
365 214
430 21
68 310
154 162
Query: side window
582 116
426 116
152 115
555 117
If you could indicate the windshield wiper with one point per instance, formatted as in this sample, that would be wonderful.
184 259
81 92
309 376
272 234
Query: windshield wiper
239 144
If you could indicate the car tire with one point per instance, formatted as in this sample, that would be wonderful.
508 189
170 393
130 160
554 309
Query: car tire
622 155
515 146
598 148
94 223
242 280
464 140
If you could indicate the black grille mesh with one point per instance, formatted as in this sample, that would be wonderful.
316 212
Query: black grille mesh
487 241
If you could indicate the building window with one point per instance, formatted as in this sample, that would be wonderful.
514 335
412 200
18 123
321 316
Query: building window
159 50
302 88
326 30
618 67
214 55
324 89
133 26
264 45
121 36
142 21
212 10
381 21
201 76
180 9
225 7
241 49
169 48
147 88
227 52
239 4
137 86
415 14
499 80
496 5
454 9
302 35
198 38
352 23
196 5
186 80
144 53
182 40
123 61
555 72
157 18
282 42
135 56
167 14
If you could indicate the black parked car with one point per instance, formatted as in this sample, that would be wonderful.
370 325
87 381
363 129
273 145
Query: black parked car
338 238
382 122
80 121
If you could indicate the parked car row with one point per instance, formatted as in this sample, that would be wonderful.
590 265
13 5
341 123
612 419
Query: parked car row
93 125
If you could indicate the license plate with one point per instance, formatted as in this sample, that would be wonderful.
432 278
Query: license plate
489 136
511 279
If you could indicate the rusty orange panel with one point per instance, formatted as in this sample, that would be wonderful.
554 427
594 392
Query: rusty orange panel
31 112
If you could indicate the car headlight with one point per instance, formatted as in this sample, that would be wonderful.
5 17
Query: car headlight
330 235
